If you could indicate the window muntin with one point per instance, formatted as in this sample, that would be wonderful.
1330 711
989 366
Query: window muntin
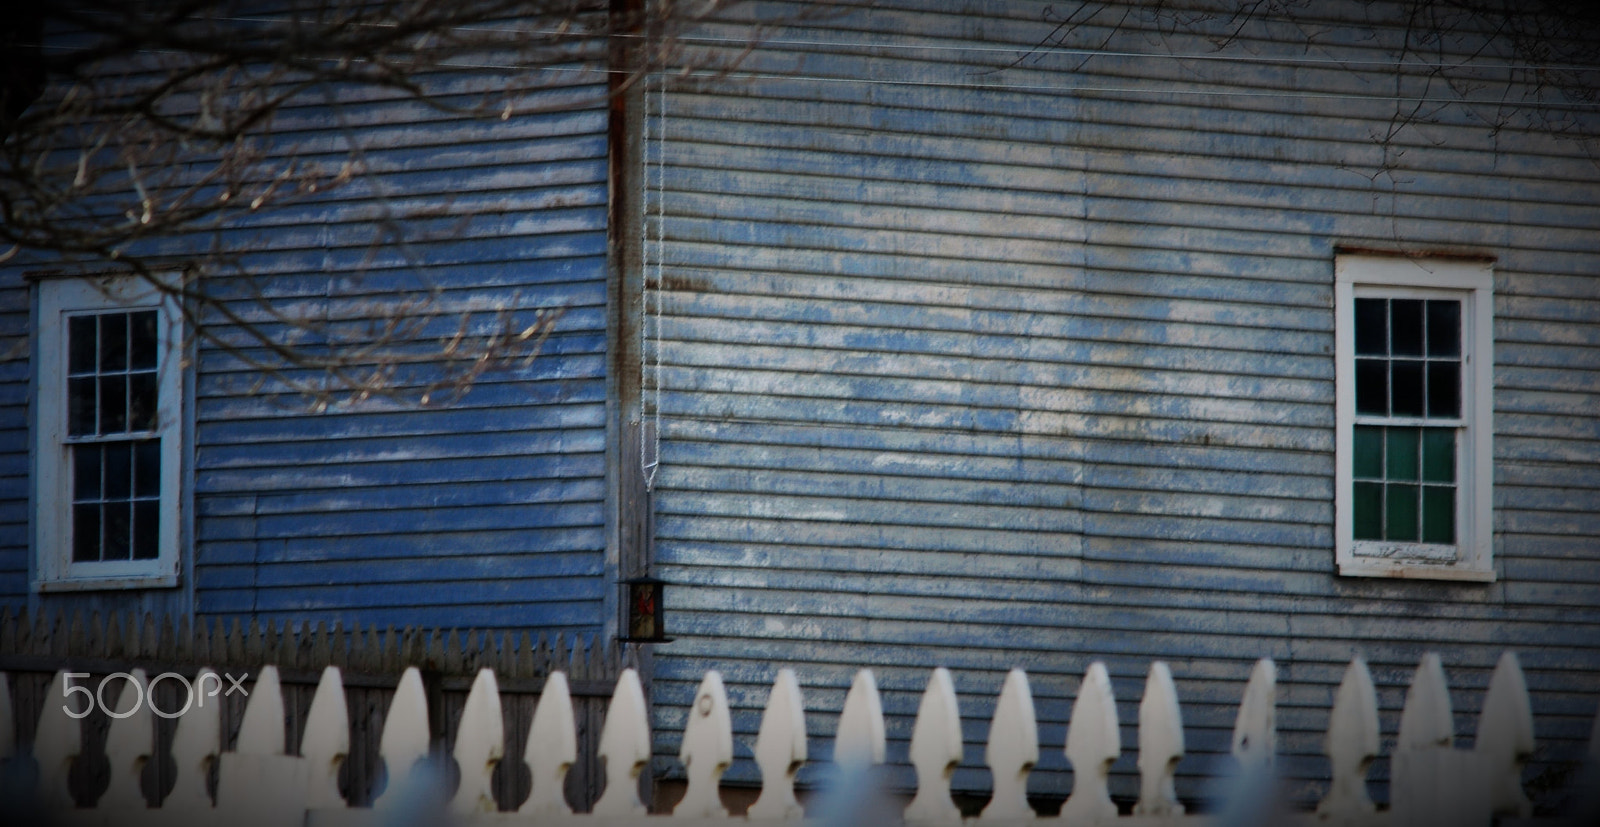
1404 484
107 435
1407 367
111 373
112 399
1408 357
1413 439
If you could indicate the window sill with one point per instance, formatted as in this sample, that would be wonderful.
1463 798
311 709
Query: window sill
86 584
1414 571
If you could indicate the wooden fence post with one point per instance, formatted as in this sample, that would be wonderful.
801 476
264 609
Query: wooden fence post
780 750
625 748
196 747
1505 737
326 743
1255 731
1433 783
129 745
707 750
259 784
480 744
860 739
1013 749
552 749
936 751
57 742
1093 743
405 740
1351 745
1160 744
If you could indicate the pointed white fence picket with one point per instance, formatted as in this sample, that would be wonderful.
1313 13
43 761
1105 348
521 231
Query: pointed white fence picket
263 782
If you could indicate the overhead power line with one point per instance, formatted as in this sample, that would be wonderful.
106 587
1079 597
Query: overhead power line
1279 60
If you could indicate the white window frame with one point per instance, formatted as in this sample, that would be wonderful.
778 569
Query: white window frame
56 299
1471 282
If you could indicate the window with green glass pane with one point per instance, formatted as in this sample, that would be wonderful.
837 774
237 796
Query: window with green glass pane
1404 483
1413 416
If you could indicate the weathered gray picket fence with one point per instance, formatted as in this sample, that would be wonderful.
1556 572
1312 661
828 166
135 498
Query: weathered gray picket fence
370 659
264 781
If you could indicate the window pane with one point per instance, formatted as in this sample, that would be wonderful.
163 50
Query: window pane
81 345
1368 453
1407 388
1405 327
119 470
81 406
146 529
1402 454
142 401
1444 328
85 472
1444 389
1438 455
113 342
110 385
147 468
1372 386
1401 512
1372 327
142 341
113 404
86 533
1438 514
118 526
1367 511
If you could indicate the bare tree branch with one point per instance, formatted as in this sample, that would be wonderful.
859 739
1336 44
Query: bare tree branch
131 130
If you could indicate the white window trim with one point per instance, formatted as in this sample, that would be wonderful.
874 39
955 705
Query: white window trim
56 299
1473 282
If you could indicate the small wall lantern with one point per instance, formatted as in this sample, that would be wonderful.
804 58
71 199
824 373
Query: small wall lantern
644 614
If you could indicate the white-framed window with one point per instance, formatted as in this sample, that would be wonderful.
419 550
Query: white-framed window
1414 351
108 413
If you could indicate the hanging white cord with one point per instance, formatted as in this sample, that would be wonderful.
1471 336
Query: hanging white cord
650 444
644 269
661 255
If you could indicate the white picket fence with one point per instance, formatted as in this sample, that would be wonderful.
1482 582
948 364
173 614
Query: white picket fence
262 782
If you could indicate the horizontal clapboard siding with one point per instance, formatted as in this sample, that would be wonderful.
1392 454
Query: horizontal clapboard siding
15 371
484 510
978 353
480 511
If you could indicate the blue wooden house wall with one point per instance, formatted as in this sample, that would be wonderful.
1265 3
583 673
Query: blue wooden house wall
974 350
14 466
987 341
483 511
